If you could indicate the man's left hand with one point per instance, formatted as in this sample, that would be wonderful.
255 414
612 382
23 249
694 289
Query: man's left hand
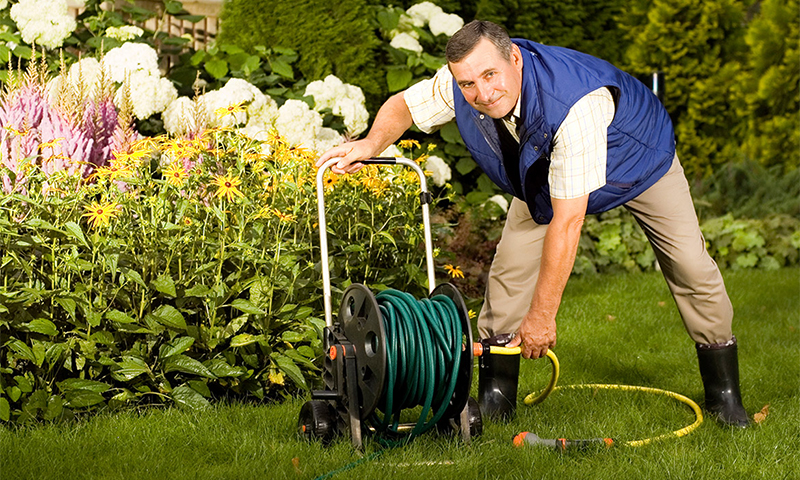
535 336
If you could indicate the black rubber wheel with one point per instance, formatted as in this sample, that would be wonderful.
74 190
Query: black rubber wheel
475 418
452 425
317 421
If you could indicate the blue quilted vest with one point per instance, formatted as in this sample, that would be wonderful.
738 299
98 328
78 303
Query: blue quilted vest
641 142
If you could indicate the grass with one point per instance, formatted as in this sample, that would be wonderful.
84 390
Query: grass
612 329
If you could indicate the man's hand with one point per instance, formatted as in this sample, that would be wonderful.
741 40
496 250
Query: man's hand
537 332
349 155
535 336
392 120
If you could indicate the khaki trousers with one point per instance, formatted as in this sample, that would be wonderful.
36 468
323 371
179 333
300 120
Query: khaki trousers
666 214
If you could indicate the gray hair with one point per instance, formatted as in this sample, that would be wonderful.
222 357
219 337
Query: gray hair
465 40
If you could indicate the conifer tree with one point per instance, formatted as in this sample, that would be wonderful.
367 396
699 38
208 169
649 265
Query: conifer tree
698 46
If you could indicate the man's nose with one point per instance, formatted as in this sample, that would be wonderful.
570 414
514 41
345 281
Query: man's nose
484 92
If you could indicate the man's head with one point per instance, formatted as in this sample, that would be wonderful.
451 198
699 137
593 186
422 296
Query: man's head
486 66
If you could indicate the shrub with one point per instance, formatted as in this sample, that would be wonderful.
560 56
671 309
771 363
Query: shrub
330 38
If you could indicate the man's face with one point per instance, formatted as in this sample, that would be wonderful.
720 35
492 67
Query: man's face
488 82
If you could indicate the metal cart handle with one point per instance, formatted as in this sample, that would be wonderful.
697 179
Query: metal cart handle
425 199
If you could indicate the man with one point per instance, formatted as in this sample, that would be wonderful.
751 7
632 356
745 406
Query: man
566 134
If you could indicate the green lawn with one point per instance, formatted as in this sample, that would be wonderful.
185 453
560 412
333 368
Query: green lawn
612 329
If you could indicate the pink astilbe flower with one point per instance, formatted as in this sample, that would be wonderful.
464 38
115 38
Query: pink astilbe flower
100 122
69 147
21 113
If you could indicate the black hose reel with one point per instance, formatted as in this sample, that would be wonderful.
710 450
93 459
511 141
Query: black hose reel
355 366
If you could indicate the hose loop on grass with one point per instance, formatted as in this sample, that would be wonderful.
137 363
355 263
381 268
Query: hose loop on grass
533 399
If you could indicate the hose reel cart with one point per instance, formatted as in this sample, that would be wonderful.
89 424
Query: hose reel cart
389 351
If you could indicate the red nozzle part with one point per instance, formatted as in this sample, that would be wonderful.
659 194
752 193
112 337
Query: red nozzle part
477 349
519 440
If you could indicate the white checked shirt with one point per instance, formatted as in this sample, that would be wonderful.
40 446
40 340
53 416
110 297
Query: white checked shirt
578 157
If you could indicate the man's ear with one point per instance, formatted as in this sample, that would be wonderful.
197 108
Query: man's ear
516 56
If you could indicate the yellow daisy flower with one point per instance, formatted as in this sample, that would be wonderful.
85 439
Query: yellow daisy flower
284 217
101 214
230 109
329 180
408 143
455 272
175 174
226 185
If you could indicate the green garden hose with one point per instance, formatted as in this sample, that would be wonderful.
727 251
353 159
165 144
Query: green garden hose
423 344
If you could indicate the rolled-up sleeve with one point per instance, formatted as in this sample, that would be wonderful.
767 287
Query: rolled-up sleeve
431 101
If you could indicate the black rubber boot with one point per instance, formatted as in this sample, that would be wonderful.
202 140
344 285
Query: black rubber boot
719 368
498 376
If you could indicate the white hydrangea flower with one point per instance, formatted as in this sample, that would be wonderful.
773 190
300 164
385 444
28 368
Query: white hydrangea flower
298 123
180 116
149 94
85 75
262 112
3 4
234 92
440 172
406 42
259 133
124 33
391 151
327 138
422 13
344 100
445 23
43 22
130 58
501 201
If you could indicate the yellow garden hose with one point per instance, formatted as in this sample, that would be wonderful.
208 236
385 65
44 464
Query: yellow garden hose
561 444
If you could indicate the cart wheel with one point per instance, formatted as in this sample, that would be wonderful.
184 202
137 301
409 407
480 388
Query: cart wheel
475 418
317 421
453 424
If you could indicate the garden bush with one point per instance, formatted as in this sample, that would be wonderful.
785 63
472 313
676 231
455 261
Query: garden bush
173 269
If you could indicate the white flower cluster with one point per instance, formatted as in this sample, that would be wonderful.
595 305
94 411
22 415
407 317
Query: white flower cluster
439 22
440 172
136 65
500 201
43 22
124 33
259 113
83 76
420 15
3 4
130 58
344 100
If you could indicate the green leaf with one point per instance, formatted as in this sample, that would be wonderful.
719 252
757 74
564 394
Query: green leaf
245 339
119 317
22 350
246 307
281 68
130 368
221 368
83 398
185 396
398 78
23 383
43 326
133 275
170 317
165 285
466 165
216 67
291 369
76 232
82 384
67 304
173 6
177 346
182 363
198 290
5 410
